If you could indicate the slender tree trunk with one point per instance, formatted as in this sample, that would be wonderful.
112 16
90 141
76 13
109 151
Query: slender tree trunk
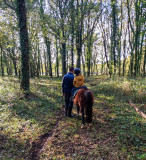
7 64
45 61
31 60
2 65
102 66
46 38
83 65
97 69
130 42
67 55
83 61
136 53
144 63
105 50
120 41
38 61
140 55
41 63
79 34
72 32
63 42
124 54
137 32
57 60
22 21
114 33
48 43
14 61
89 47
72 48
63 58
14 56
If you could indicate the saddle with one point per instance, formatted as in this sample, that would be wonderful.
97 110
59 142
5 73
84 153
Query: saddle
76 91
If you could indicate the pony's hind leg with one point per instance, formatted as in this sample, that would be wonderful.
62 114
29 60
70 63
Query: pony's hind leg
78 109
83 120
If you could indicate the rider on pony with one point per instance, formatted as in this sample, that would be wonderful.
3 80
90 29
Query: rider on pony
78 80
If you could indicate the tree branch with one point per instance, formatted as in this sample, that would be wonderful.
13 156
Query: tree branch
137 110
10 6
94 24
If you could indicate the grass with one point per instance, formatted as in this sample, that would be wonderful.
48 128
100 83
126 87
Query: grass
117 131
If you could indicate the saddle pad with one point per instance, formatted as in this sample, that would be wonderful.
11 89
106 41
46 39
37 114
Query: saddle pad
75 93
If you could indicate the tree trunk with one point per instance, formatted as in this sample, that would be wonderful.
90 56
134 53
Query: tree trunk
22 21
137 32
41 63
131 43
57 60
14 61
63 38
45 61
72 32
79 34
140 55
144 63
120 41
2 66
105 51
48 43
7 64
114 34
83 61
38 61
83 65
31 62
63 52
124 53
89 47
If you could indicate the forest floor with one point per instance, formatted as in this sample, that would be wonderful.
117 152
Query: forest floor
36 127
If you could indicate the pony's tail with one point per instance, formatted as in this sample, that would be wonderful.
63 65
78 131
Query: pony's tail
89 104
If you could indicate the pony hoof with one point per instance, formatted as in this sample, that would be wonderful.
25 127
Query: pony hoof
82 126
90 124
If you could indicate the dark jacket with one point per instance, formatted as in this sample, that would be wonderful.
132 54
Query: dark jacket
67 83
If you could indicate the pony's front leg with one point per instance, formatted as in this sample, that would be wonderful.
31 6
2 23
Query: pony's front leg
78 109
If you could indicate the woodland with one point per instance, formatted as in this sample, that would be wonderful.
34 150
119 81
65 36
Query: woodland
39 41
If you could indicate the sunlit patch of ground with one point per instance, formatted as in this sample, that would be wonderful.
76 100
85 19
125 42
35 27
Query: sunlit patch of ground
117 131
71 141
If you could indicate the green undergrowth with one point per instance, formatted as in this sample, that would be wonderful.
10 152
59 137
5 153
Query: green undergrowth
123 89
114 95
117 131
24 120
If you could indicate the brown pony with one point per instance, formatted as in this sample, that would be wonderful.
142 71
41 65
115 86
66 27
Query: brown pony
84 103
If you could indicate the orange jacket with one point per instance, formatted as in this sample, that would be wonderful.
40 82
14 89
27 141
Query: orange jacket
79 81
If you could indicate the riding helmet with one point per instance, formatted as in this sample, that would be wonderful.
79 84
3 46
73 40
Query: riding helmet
77 71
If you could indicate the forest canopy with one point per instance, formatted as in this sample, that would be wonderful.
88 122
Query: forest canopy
100 37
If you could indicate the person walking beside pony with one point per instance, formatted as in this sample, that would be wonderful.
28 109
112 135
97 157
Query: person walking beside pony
67 86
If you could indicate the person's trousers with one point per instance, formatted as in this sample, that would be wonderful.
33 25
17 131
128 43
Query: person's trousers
68 104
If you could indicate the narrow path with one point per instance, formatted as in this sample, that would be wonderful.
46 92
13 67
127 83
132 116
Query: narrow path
38 145
69 141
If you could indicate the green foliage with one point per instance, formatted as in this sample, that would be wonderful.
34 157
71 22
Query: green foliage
128 125
23 120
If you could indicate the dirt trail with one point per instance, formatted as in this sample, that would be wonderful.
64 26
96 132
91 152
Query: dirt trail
38 145
68 139
77 140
